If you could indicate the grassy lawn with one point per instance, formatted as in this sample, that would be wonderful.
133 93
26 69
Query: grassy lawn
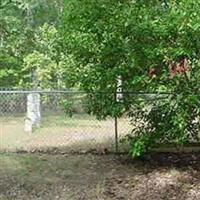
95 177
79 132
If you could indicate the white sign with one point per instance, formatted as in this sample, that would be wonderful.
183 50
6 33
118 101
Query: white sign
119 92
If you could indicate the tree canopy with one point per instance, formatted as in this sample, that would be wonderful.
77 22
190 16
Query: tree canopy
132 38
154 46
21 24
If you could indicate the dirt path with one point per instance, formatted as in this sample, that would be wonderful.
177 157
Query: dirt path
95 177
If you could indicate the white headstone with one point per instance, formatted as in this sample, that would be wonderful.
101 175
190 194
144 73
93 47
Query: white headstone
28 125
33 117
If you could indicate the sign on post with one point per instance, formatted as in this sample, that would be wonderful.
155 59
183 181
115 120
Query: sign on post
119 92
119 98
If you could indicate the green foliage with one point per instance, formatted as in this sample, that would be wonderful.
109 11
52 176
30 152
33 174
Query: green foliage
40 70
154 46
174 119
9 66
26 26
67 106
41 66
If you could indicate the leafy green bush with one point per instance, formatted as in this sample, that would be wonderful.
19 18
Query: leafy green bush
67 107
154 46
174 119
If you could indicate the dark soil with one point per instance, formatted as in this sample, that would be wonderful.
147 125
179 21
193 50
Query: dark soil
101 177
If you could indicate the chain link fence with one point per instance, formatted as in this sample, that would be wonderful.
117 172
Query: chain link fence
58 120
62 120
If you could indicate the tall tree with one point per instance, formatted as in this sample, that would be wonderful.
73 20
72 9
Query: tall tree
19 26
154 46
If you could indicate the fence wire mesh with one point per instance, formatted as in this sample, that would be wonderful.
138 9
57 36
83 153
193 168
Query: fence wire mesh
34 121
62 120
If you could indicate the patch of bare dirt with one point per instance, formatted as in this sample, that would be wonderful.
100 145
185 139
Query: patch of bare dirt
101 177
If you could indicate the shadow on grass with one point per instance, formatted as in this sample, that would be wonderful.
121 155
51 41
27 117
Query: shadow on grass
87 176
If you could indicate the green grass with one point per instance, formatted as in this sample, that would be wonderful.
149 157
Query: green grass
79 132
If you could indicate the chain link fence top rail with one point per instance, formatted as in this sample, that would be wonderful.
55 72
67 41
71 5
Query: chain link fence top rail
44 120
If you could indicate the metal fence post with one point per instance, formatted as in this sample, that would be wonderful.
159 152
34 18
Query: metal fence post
118 99
116 136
